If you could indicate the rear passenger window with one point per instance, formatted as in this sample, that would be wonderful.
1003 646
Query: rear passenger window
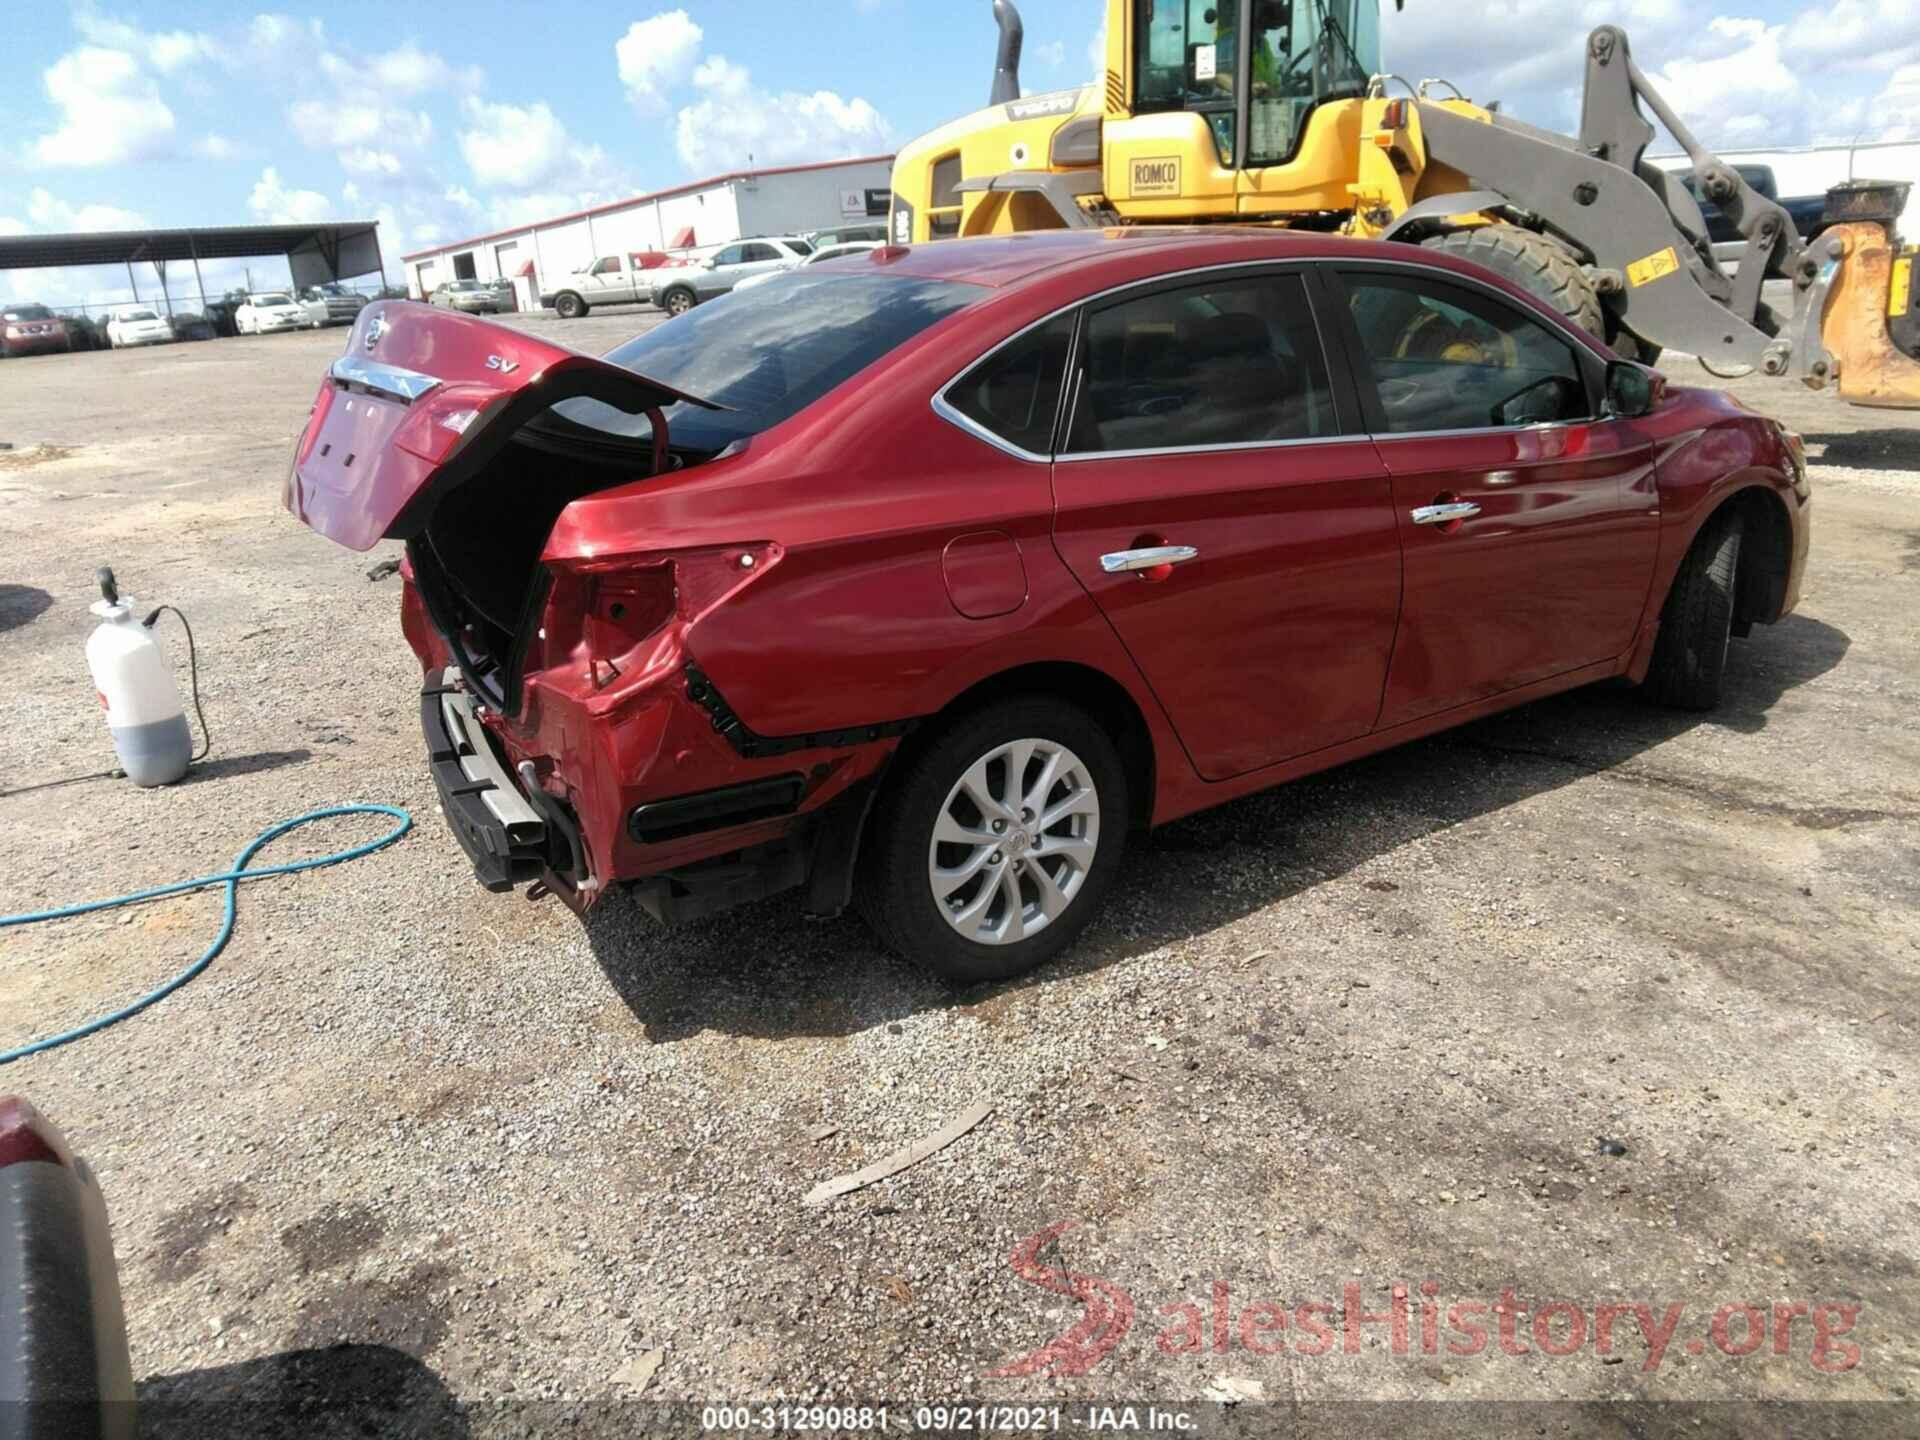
1015 392
1232 362
1444 357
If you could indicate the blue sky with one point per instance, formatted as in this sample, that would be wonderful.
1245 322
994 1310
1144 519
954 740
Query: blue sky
453 120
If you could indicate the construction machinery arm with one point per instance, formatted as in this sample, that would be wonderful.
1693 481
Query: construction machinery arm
1647 245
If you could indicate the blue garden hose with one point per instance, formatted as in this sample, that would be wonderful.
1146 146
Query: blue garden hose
231 879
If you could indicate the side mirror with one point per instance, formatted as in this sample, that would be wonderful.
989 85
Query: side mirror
1629 390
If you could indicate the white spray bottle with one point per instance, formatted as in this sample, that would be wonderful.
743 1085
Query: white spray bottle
135 684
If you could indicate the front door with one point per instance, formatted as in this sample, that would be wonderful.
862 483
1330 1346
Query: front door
1233 524
1529 522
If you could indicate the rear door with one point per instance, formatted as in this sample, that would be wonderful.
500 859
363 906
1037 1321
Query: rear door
1220 501
1528 521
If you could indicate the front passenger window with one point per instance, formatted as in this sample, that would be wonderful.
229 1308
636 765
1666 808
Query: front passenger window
1444 357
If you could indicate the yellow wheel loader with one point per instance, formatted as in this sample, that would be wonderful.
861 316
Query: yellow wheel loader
1276 112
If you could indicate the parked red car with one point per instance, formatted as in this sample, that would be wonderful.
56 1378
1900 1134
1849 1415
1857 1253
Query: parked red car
32 330
921 578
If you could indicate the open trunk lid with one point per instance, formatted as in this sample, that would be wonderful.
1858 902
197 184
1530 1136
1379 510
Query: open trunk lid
422 400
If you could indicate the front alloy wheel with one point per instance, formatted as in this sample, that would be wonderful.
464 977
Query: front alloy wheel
994 841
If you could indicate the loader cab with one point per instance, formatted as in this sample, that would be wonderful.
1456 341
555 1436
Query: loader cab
1255 69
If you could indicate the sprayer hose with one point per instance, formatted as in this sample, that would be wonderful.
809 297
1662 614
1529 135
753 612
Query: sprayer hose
231 879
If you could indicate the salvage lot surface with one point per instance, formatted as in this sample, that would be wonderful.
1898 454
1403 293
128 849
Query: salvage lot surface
1366 1029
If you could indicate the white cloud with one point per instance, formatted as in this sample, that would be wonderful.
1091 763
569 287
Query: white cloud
410 70
345 123
369 163
48 211
523 147
1052 55
655 55
110 111
276 203
164 50
215 147
734 123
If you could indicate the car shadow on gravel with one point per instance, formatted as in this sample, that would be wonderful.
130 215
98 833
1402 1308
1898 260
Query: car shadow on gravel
1866 449
765 970
22 605
341 1390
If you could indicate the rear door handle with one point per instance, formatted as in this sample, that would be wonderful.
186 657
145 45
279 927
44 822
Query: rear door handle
1444 513
1152 557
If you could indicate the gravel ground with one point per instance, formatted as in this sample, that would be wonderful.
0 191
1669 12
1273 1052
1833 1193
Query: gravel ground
415 1148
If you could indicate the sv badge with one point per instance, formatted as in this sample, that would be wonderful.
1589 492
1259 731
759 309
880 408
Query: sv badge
504 366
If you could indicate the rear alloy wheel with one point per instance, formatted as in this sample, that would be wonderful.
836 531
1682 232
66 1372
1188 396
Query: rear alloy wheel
992 849
677 302
1690 656
569 307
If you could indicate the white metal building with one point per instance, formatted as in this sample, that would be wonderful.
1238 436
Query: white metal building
687 218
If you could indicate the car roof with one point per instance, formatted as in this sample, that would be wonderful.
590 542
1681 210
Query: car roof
1005 260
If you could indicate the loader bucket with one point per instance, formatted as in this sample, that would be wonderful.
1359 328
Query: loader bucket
1874 372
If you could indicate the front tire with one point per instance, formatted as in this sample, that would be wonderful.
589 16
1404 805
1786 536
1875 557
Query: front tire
677 302
993 847
1690 657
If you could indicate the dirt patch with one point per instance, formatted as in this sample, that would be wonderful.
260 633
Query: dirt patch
180 1246
409 1313
332 1237
32 455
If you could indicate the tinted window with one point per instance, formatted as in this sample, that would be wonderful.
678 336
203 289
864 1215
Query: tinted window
731 255
754 254
771 350
799 247
1447 358
1015 392
28 312
1228 363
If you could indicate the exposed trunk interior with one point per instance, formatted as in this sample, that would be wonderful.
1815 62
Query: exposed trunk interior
477 561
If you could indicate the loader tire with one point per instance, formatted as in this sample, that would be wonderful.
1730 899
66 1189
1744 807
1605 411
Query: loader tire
1538 264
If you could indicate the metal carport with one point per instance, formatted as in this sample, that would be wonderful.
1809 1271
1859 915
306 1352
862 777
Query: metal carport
314 253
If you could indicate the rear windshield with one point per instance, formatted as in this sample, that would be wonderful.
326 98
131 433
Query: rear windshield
139 315
770 351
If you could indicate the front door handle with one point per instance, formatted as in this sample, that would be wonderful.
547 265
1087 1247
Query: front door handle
1445 513
1151 557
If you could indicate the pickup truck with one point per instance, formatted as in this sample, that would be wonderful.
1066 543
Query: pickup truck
1807 211
610 280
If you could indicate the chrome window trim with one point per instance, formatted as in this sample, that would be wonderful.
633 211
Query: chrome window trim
1080 457
389 380
946 411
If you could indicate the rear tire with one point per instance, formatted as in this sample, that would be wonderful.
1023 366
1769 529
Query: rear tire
1538 264
1690 657
968 930
569 306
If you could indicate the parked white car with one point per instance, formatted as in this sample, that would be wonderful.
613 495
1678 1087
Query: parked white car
138 325
830 252
275 311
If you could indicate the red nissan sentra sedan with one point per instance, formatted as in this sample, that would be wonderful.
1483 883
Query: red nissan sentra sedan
919 579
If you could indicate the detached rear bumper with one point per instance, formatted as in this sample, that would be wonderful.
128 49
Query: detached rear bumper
512 833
